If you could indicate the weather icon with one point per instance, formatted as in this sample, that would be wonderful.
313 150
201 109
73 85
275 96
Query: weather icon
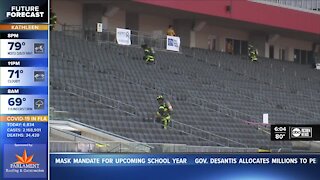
38 104
38 76
38 48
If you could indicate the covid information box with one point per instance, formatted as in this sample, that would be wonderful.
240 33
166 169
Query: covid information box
24 81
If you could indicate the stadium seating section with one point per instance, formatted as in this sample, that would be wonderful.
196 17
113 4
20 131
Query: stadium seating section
218 93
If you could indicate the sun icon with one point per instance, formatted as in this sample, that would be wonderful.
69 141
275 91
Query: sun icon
25 159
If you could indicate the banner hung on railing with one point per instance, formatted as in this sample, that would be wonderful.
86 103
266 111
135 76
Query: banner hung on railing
123 36
173 43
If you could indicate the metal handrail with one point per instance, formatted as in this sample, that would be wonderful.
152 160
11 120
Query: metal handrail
190 125
313 114
195 99
84 92
251 116
237 112
206 133
188 129
297 6
109 146
251 95
94 66
123 76
260 126
192 129
302 110
74 135
137 37
162 147
93 142
68 27
107 132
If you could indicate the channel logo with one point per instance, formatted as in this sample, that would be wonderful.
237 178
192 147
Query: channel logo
301 132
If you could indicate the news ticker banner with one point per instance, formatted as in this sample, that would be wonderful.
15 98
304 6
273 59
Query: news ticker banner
24 81
185 166
303 132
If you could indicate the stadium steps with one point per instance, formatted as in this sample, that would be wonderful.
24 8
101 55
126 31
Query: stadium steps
184 73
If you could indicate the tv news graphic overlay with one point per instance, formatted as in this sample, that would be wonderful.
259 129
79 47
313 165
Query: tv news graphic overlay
185 166
23 48
18 11
24 89
295 132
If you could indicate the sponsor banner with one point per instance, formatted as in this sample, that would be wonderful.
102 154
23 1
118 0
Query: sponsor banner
25 160
185 166
123 36
173 43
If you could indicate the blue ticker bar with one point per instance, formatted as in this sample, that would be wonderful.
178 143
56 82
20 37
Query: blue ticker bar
185 166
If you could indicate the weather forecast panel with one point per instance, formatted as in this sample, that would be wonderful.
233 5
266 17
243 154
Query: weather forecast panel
26 76
23 104
24 89
23 48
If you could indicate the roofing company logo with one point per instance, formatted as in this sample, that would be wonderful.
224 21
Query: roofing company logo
24 159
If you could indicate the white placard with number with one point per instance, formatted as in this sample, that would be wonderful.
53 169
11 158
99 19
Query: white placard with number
123 36
99 27
265 118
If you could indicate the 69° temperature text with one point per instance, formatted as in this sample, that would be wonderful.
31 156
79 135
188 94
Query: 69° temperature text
16 101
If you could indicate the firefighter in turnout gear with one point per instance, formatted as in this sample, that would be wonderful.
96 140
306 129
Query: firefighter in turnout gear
148 54
253 53
164 111
53 19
